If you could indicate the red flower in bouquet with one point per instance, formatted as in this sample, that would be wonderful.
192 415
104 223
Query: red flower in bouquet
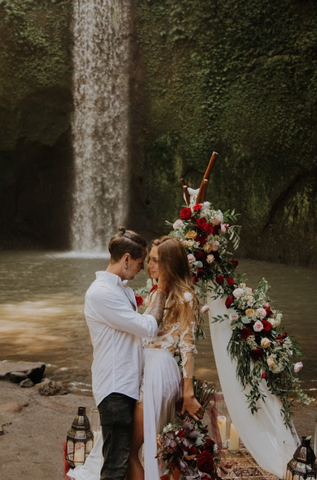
139 300
281 337
229 301
197 207
208 228
264 375
201 239
266 325
201 222
230 281
257 353
219 279
185 213
209 444
234 263
200 255
246 332
205 462
268 311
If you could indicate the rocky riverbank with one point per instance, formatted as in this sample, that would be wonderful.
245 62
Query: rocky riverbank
34 427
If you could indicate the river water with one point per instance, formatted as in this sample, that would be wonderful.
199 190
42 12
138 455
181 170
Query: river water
41 312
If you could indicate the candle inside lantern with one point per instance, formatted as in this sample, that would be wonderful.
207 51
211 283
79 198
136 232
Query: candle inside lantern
222 425
233 439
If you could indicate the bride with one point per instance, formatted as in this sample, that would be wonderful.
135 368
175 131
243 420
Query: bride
161 383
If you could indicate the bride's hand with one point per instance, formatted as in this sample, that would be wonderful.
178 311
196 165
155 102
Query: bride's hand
193 407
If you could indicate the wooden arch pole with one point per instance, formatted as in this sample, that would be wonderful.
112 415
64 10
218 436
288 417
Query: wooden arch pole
204 183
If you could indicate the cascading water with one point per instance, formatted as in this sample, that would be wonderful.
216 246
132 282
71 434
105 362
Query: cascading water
100 123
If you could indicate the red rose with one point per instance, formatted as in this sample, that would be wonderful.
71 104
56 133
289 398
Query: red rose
205 462
181 433
208 228
139 300
264 375
154 287
246 332
194 451
200 272
257 353
268 311
281 337
201 239
209 444
201 222
266 325
199 255
219 279
194 279
197 207
234 263
230 281
229 301
185 213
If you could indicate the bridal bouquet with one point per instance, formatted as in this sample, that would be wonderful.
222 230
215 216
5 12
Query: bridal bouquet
184 445
263 351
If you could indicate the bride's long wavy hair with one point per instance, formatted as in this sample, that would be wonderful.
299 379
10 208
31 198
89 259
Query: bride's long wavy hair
174 266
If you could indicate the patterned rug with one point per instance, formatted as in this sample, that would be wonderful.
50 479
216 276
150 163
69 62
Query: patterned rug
241 465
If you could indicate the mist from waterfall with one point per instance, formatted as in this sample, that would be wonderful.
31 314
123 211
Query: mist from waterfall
100 123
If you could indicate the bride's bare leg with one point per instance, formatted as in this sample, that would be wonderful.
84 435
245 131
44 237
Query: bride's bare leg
135 470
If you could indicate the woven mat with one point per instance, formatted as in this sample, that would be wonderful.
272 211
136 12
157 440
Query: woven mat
242 465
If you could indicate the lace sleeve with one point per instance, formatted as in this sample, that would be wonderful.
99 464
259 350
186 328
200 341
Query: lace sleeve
187 337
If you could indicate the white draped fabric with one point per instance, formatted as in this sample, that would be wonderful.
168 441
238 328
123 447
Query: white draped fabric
264 434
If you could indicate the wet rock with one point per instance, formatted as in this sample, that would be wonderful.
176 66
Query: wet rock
16 372
50 388
27 383
17 377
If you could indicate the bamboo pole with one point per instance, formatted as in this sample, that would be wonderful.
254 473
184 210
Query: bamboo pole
204 183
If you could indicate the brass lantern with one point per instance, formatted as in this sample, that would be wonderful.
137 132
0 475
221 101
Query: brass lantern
79 441
303 464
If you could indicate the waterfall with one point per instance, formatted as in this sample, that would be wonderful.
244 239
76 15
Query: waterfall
100 122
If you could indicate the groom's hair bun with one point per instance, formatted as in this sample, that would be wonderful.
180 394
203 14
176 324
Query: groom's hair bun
126 241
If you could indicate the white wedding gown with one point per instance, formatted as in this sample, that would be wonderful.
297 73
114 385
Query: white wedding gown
264 434
160 389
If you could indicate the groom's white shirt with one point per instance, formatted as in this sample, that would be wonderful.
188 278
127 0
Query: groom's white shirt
116 329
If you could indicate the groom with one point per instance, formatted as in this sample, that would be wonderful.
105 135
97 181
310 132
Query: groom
116 330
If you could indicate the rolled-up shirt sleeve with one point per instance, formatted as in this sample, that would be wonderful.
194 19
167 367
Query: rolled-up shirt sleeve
111 310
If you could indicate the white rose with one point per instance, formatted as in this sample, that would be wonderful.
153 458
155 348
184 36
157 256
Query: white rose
237 292
215 246
261 312
265 342
298 366
271 321
223 228
210 259
205 309
278 319
178 224
270 361
191 258
233 316
258 326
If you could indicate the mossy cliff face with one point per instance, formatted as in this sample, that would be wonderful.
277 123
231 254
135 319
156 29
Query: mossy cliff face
35 104
240 78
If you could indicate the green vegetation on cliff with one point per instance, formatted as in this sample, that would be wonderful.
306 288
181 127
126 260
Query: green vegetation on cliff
238 77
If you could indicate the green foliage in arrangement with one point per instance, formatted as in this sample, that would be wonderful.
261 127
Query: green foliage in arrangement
240 78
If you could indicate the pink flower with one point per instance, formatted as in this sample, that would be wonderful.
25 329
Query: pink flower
178 224
215 246
298 366
217 220
191 258
261 312
258 326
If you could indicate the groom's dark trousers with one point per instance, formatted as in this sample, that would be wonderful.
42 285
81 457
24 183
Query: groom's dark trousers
116 419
